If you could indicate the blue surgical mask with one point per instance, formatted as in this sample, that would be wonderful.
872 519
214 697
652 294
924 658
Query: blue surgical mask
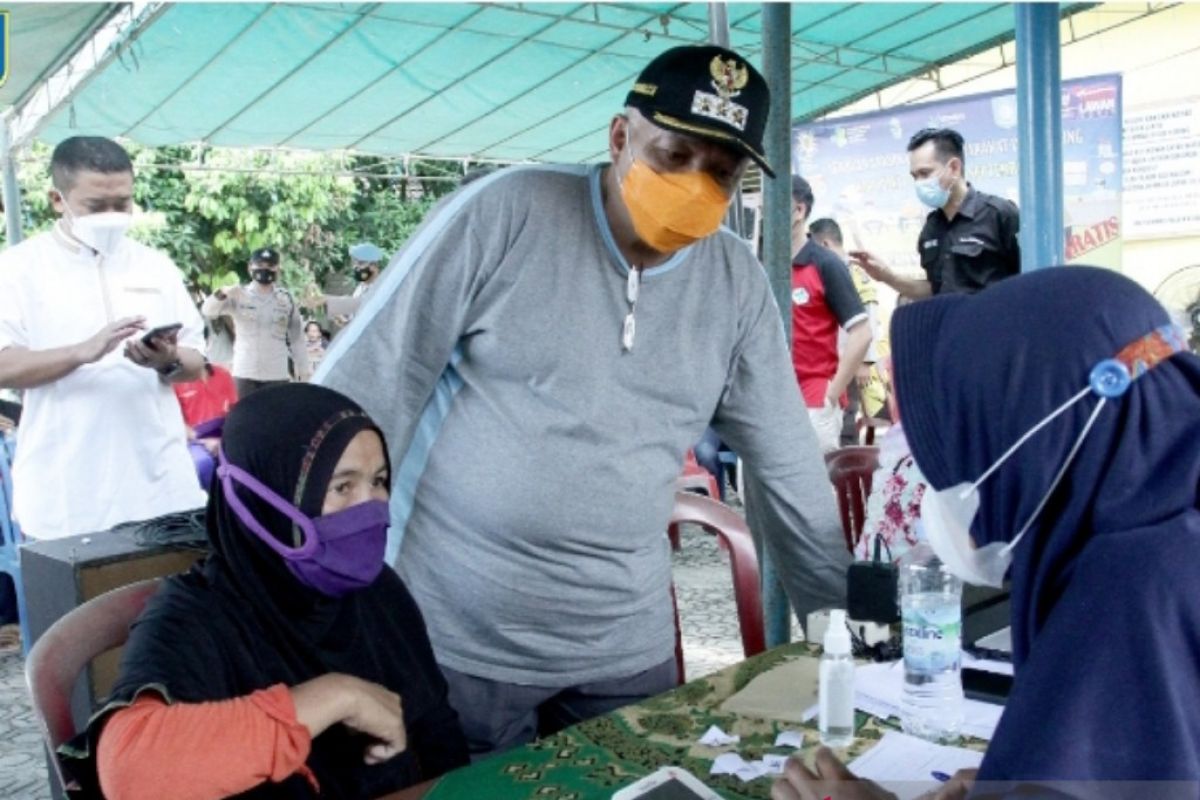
930 191
948 514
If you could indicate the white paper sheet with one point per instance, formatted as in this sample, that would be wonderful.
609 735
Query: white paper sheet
905 764
878 688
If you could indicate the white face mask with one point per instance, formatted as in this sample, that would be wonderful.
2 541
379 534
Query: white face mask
101 232
947 514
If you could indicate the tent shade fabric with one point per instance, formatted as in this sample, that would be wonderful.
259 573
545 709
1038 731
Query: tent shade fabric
41 36
471 80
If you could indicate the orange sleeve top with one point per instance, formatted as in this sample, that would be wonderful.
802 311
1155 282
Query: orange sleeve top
202 751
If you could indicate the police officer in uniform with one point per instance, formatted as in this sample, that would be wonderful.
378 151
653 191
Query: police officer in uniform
970 237
269 326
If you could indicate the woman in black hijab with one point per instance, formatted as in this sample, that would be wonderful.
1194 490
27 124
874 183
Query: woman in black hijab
291 632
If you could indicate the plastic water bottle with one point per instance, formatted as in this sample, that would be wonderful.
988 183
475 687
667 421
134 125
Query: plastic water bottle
836 687
931 613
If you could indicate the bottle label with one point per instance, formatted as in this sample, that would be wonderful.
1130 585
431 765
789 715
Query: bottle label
932 638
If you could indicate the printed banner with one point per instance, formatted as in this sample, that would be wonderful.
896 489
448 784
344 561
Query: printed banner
1162 170
858 168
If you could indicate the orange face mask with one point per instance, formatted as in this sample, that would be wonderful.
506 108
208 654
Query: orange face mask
672 210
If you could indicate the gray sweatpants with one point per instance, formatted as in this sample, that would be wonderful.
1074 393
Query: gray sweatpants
497 716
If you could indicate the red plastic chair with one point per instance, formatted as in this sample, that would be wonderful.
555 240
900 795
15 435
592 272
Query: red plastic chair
850 471
65 650
693 478
870 425
719 519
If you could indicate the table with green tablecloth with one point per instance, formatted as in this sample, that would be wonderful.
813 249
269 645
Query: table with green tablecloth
595 758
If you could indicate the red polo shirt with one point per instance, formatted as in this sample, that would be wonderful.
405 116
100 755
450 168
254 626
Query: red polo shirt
823 298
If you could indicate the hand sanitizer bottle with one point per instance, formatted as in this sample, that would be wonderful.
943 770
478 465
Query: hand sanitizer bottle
836 690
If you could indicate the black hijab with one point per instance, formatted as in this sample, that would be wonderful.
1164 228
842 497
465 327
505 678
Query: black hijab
240 621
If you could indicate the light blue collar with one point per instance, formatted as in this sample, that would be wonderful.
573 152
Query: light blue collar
611 244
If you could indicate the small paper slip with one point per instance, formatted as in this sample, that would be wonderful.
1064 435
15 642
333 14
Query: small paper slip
743 770
774 763
715 737
905 764
727 764
790 739
733 764
752 771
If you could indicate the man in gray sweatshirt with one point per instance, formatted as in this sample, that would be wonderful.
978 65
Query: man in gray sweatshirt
541 354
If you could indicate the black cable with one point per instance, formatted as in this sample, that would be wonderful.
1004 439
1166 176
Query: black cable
891 650
183 529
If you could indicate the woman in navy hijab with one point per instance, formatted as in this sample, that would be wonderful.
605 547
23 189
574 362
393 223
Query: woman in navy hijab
1093 518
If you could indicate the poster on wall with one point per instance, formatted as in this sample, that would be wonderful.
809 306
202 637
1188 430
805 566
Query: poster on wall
858 168
1162 170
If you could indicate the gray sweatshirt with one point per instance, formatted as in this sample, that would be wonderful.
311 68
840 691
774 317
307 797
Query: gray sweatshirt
534 459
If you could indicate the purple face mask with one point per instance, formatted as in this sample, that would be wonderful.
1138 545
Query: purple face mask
340 553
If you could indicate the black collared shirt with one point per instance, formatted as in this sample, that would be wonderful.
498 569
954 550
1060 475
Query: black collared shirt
975 249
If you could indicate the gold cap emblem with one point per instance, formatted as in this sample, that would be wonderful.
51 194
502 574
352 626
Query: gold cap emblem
728 76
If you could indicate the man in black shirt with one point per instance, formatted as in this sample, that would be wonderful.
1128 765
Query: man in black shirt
970 238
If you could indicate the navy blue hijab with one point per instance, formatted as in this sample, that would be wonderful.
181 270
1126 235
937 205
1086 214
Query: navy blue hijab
1106 584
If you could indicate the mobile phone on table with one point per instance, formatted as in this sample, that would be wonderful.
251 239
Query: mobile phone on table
989 687
668 783
162 330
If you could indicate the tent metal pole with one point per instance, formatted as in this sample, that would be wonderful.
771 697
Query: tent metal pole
777 245
11 192
1039 126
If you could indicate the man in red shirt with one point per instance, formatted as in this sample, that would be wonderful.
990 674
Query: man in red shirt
823 299
201 401
208 398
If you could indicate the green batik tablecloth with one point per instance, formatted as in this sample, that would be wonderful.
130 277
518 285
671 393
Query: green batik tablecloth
592 760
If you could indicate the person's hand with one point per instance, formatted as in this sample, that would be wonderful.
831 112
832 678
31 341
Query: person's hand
359 705
830 780
871 264
161 355
107 338
957 788
6 424
313 298
378 713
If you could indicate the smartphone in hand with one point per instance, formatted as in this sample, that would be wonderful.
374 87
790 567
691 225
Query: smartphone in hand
161 331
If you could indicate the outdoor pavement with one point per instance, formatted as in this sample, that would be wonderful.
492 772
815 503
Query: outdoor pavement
707 615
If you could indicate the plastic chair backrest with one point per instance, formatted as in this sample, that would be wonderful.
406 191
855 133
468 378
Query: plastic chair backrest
718 518
693 476
850 472
66 649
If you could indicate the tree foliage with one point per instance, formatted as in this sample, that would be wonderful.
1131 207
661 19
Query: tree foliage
208 208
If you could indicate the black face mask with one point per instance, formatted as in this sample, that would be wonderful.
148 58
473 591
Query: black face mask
263 275
362 274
